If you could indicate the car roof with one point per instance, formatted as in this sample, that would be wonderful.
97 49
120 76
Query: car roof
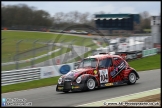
102 56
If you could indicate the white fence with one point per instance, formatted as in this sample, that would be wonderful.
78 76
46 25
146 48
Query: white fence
17 76
25 75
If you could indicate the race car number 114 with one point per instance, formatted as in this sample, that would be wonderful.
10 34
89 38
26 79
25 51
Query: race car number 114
103 76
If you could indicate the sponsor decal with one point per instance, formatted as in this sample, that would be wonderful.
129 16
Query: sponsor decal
95 71
67 80
115 58
60 88
64 69
47 72
103 76
113 73
73 87
118 69
108 84
71 74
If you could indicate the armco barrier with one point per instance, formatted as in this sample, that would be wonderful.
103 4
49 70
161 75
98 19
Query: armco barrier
149 52
17 76
25 75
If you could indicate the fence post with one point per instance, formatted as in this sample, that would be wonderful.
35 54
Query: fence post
84 47
17 51
72 46
61 50
34 52
50 53
48 43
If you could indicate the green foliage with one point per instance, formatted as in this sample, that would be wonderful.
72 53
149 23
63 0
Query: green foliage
16 15
146 63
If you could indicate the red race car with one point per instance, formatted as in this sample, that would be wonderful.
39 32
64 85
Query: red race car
96 72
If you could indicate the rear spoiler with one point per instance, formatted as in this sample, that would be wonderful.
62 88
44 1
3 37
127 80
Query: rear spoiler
103 53
110 53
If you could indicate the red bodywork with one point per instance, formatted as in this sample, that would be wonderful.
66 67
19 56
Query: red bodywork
119 77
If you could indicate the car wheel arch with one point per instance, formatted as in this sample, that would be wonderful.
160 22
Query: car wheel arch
136 74
87 77
93 77
131 70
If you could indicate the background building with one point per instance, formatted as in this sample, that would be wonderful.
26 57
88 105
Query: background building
156 31
117 23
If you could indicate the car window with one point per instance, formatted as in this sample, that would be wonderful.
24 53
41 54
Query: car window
105 63
90 62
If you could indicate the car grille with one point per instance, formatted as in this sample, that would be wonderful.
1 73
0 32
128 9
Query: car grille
67 85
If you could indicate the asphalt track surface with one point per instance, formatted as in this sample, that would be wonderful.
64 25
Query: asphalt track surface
47 96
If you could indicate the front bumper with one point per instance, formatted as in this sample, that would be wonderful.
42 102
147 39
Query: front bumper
68 86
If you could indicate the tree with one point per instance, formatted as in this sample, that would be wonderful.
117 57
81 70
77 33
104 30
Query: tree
84 18
22 15
100 12
145 20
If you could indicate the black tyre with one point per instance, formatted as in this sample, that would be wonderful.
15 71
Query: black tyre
65 91
132 78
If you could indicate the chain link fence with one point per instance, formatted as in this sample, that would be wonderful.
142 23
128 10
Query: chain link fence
49 53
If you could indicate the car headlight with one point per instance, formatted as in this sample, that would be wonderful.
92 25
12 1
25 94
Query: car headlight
60 80
79 79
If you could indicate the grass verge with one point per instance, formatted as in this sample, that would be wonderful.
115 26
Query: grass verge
147 63
11 37
29 85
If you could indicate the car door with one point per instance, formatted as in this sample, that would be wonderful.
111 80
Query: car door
110 69
104 70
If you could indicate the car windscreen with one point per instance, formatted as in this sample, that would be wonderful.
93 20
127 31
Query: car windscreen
89 62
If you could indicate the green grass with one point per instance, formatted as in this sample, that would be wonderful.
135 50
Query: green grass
147 63
29 55
18 35
11 37
9 48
